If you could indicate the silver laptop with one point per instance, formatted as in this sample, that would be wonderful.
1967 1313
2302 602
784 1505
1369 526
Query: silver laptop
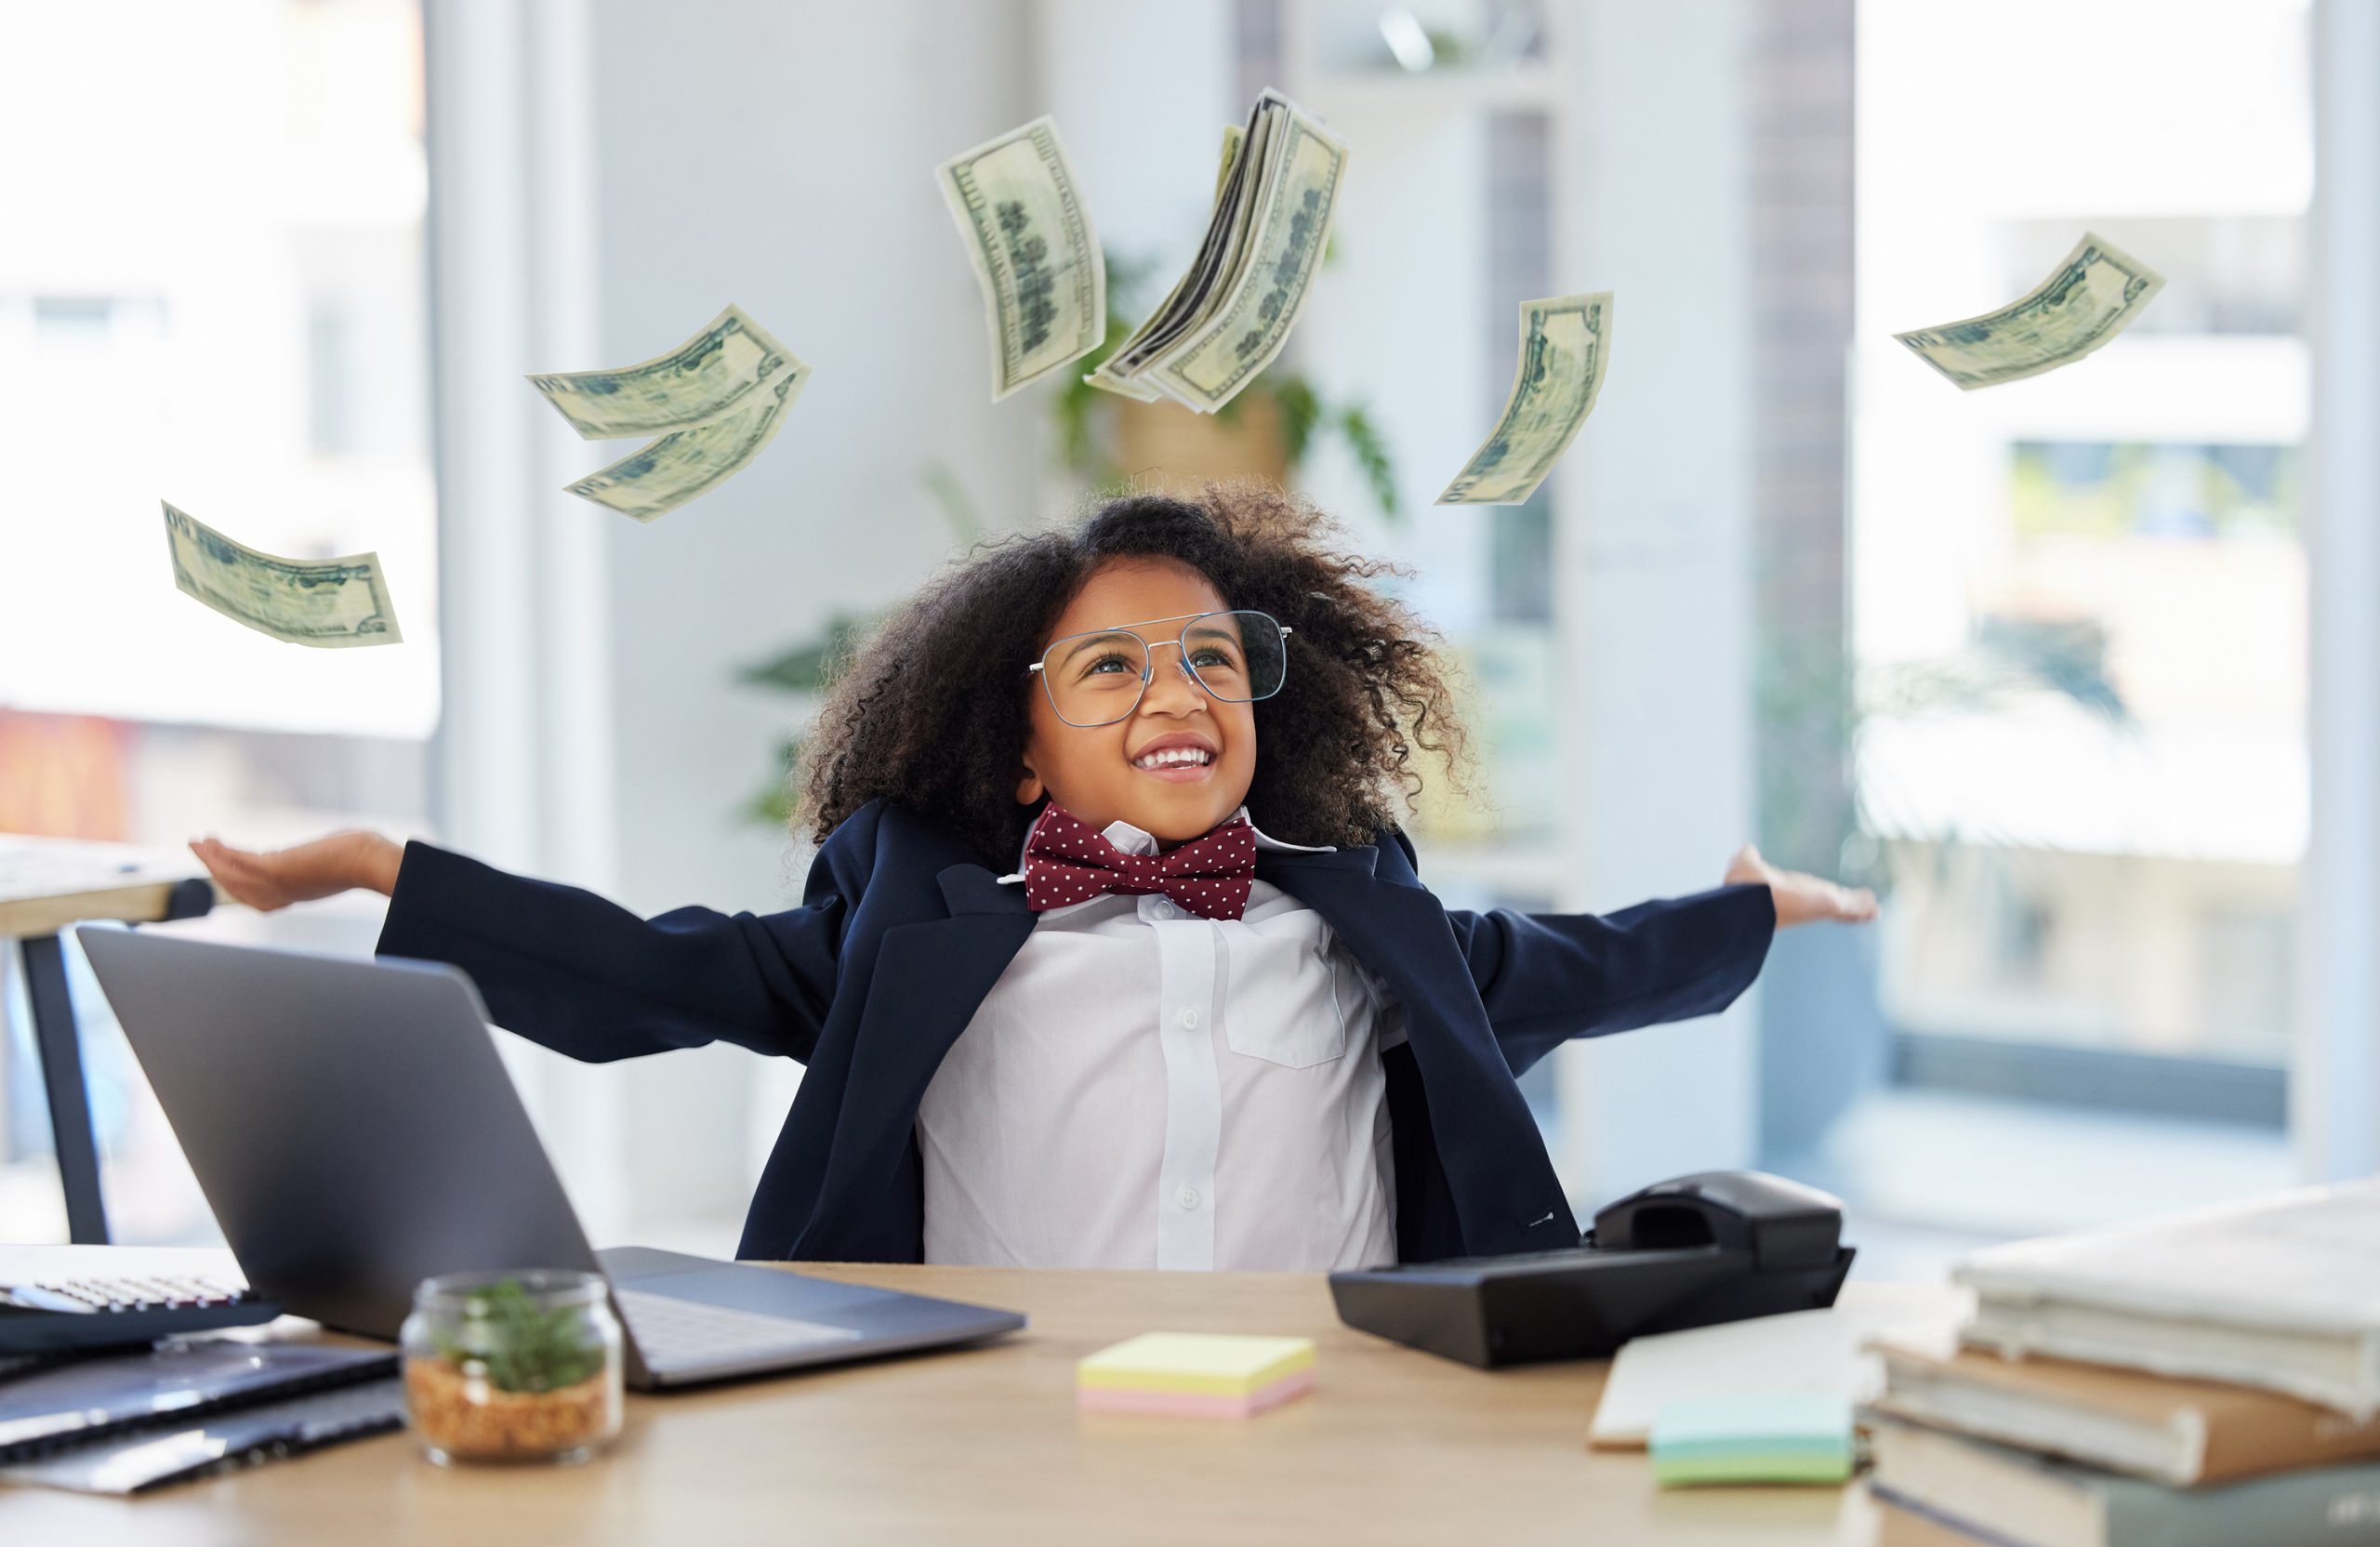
355 1132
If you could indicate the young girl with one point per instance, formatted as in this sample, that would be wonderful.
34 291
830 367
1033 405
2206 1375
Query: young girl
1062 1000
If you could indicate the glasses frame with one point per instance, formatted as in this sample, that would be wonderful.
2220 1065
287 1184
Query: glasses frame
1181 642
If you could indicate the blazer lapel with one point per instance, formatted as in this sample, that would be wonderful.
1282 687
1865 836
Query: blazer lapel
1506 1195
929 978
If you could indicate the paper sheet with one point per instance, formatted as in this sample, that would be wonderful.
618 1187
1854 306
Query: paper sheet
1815 1353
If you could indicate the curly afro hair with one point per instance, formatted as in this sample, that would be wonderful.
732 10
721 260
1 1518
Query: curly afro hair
930 712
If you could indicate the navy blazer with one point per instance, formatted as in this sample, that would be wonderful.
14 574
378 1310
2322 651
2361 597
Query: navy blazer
903 930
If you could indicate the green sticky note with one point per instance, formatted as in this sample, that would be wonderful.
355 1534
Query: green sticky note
1767 1437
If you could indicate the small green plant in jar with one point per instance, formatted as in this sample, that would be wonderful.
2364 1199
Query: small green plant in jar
513 1367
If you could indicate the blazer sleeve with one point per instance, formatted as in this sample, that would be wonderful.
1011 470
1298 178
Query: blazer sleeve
588 978
1547 977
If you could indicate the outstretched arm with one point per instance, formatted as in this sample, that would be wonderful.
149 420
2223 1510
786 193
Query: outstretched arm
1547 977
569 968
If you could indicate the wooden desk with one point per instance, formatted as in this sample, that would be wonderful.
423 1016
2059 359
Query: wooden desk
47 884
987 1446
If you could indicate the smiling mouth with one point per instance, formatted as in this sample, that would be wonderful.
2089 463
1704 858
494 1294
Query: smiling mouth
1175 762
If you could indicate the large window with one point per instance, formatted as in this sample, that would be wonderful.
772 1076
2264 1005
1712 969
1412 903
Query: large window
2080 600
211 292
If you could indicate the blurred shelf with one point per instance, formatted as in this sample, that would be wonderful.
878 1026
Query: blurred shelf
1529 86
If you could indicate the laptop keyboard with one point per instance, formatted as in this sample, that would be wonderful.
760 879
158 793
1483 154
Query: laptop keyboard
674 1331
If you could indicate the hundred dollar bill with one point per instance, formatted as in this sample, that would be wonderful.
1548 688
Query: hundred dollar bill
325 602
1203 286
2090 298
1212 361
1035 256
1565 344
664 474
1229 315
1108 380
706 376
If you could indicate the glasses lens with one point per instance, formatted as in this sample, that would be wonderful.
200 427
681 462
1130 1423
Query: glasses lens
1237 656
1094 679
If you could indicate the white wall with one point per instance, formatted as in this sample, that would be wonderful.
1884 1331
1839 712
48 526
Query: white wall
781 156
1655 551
1141 90
610 174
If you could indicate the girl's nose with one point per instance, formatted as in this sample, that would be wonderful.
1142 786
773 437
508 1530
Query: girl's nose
1172 687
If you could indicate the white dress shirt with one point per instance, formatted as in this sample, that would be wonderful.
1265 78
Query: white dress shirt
1145 1088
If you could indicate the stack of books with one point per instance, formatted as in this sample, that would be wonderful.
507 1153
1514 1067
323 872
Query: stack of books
2213 1377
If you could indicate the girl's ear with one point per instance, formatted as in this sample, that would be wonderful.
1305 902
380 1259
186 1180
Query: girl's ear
1029 787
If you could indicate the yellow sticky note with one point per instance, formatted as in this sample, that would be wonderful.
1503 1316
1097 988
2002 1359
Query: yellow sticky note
1201 1364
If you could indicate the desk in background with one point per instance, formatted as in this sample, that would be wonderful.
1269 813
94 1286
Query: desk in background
47 884
987 1446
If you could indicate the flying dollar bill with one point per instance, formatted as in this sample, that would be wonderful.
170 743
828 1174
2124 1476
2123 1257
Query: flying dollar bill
1217 357
1035 256
1565 344
1108 380
1231 312
2090 298
714 402
666 473
329 603
708 375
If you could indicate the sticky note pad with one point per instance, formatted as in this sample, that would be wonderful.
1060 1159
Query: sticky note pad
1775 1438
1204 1374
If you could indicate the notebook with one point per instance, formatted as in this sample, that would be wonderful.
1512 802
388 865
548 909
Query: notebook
183 1450
82 1401
2280 1293
2022 1500
2178 1432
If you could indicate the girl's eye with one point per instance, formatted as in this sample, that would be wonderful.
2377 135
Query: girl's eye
1107 666
1212 656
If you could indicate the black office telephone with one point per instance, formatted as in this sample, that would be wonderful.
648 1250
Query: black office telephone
1716 1246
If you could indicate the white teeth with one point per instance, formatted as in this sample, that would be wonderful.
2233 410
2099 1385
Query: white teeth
1173 757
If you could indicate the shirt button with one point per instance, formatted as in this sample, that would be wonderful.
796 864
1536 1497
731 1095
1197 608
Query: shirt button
1187 1197
1162 910
1190 1018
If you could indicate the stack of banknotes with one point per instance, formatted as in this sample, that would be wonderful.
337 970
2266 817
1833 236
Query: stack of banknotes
1232 309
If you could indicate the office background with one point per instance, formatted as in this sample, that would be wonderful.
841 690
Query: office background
2082 673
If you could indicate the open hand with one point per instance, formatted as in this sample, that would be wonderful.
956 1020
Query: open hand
1801 898
275 878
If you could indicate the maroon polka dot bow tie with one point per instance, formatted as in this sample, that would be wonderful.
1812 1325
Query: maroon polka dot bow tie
1066 862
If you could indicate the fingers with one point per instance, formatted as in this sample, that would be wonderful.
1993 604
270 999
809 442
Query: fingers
242 875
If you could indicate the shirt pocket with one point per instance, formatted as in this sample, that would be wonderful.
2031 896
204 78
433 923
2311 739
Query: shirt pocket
1294 999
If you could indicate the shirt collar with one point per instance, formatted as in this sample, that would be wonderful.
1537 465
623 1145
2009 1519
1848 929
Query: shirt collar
1134 841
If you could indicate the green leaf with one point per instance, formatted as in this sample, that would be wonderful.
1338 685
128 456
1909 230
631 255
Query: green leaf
1371 455
1299 408
804 668
521 1346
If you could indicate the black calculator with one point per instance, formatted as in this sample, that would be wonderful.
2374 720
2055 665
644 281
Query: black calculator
54 1315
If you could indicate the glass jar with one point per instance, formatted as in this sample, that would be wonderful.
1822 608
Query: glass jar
512 1367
